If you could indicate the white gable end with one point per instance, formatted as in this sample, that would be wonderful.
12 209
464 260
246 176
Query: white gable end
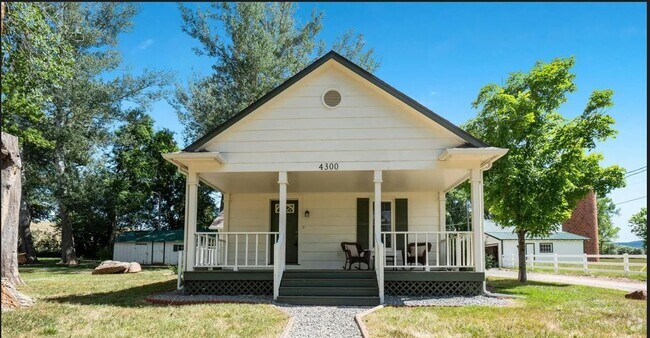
369 125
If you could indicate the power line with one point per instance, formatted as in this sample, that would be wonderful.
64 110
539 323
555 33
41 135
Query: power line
638 172
634 199
631 171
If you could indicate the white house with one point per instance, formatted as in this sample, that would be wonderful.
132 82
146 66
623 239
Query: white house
501 243
149 247
300 170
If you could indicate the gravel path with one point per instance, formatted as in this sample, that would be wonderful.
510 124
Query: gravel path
608 283
446 301
323 321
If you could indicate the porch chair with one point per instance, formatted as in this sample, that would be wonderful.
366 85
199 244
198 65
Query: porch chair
419 256
354 253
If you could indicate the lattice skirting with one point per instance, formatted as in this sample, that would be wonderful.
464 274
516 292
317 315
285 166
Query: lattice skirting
433 288
228 287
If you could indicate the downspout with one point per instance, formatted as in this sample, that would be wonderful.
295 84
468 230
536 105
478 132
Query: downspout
164 245
151 258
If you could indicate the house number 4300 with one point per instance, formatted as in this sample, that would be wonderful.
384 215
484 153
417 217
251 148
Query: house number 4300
328 166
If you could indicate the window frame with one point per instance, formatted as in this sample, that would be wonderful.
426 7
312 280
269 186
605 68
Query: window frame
178 247
542 245
372 220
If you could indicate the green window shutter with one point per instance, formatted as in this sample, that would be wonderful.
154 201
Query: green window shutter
363 221
401 220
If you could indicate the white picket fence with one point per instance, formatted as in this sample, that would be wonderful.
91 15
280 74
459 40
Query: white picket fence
585 263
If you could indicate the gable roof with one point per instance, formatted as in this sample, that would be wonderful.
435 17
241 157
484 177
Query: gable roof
507 233
332 55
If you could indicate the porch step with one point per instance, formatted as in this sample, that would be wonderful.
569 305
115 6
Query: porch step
329 287
328 300
330 274
329 291
307 282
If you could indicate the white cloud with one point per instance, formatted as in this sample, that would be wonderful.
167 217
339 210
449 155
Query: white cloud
145 44
433 93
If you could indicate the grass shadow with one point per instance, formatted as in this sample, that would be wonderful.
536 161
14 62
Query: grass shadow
508 286
131 297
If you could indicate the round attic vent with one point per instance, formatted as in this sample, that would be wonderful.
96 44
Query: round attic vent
332 98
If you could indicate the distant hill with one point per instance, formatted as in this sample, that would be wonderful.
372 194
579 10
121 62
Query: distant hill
634 244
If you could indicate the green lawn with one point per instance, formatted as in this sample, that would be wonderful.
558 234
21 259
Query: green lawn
72 302
549 310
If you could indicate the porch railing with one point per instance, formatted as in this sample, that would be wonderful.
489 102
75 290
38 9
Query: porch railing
449 249
234 249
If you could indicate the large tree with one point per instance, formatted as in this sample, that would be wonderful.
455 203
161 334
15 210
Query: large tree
551 163
255 47
607 231
35 59
639 225
78 118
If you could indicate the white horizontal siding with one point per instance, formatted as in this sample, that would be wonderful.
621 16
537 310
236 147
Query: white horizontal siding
368 126
332 220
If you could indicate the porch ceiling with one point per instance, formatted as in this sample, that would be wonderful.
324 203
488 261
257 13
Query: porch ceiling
337 181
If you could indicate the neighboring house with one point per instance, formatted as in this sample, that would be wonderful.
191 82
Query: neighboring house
300 170
149 247
501 244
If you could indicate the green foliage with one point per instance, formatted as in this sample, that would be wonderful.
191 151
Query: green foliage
255 47
621 250
607 231
457 207
551 163
35 59
46 244
639 225
490 262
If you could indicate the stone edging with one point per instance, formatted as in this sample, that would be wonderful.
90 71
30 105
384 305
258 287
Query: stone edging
287 328
359 320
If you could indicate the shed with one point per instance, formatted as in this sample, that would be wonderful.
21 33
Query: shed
149 247
501 243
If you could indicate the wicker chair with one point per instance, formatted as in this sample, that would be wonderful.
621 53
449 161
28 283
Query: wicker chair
354 253
420 255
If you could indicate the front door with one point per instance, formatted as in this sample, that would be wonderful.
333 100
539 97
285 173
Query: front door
530 250
292 228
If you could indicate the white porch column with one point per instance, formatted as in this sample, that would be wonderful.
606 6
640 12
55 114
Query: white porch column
476 179
442 210
191 191
283 182
379 247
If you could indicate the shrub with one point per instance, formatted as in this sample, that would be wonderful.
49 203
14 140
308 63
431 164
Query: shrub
490 262
174 268
105 253
46 244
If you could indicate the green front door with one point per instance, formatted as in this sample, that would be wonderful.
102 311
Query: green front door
292 228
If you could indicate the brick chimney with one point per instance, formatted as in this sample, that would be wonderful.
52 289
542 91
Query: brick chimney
584 222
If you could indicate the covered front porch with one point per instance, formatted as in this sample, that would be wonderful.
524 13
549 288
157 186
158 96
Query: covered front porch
292 221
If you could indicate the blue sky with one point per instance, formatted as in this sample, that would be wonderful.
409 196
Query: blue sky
441 54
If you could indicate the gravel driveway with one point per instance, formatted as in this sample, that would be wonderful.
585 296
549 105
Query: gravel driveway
607 283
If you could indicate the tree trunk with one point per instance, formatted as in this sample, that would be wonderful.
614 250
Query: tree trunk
68 253
26 240
521 249
11 189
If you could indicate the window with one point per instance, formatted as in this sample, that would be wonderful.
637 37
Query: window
386 221
546 247
178 247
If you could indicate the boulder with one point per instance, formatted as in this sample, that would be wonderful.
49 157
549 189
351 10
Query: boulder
107 267
638 294
133 267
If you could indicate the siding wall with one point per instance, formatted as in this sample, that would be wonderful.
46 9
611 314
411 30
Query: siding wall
332 220
368 126
563 247
141 253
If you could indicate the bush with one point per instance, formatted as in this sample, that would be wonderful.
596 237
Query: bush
46 244
490 262
174 268
105 253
